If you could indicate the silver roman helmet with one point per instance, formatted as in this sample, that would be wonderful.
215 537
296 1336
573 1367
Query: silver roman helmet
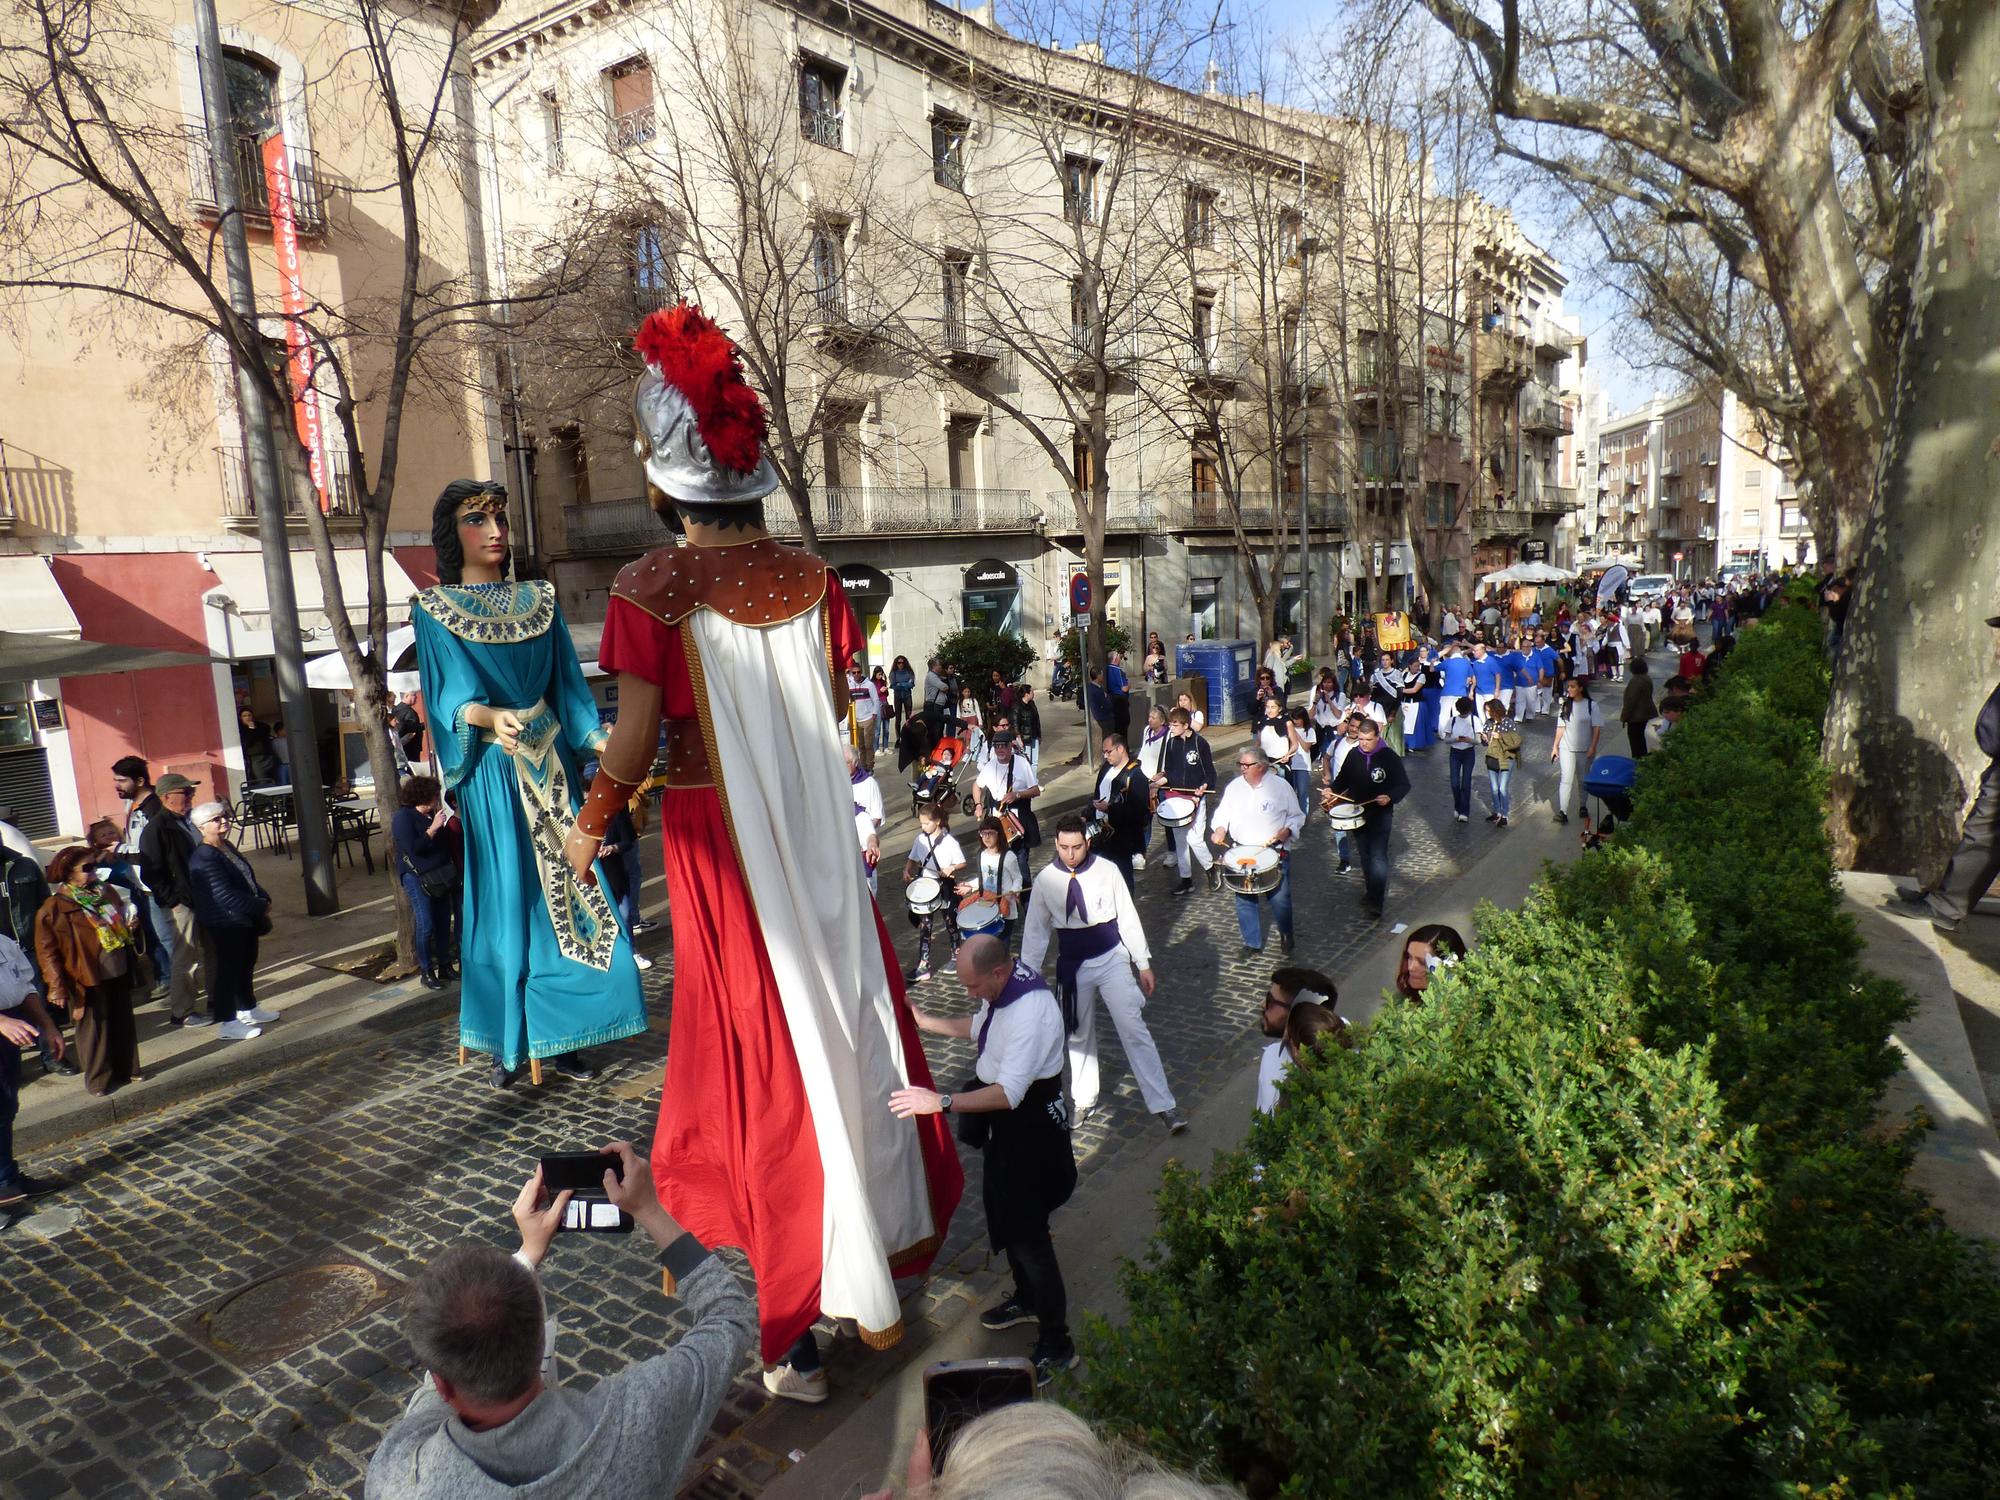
692 401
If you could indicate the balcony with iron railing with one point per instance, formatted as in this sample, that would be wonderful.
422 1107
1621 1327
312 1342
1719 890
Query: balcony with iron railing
253 186
614 526
1172 511
239 503
1492 523
966 345
633 127
823 127
844 314
34 490
1547 418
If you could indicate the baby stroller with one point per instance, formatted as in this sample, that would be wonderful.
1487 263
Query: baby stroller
1610 785
935 784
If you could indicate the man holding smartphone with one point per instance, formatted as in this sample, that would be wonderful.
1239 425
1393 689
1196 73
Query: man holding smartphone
488 1421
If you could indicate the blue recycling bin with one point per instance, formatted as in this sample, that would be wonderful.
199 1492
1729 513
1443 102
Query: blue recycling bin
1231 670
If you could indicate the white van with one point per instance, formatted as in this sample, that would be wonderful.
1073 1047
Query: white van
1649 585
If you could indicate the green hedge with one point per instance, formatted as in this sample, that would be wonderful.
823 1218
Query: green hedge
1612 1213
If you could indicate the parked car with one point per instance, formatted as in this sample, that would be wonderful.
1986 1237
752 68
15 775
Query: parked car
1649 585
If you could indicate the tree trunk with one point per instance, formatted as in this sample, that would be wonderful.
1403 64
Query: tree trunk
1815 277
1918 657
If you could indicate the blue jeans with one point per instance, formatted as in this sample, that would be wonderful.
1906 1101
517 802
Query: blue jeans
1500 780
10 1105
1462 757
160 921
1373 843
635 874
1301 786
1344 842
436 920
1250 923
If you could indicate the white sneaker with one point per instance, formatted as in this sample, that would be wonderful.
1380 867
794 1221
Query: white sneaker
256 1015
642 961
238 1031
199 1018
1138 861
784 1381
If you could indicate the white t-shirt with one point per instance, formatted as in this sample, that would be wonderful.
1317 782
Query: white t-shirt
1272 1066
931 858
1025 1044
997 874
868 801
1461 731
1150 750
1254 814
1016 776
1584 716
861 692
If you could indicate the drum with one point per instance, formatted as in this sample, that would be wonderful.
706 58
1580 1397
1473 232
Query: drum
926 894
1176 811
1347 817
1250 871
981 916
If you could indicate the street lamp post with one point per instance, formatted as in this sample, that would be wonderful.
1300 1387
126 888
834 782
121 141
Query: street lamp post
261 453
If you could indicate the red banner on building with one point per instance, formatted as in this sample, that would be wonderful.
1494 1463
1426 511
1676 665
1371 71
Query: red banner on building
292 297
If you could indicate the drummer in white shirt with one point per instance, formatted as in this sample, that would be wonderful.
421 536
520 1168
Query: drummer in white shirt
1258 810
1007 788
993 876
1083 902
935 857
1187 771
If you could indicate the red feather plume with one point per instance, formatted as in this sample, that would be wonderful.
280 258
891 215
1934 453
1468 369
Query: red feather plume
698 359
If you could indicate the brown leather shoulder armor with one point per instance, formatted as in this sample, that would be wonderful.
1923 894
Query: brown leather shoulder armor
753 583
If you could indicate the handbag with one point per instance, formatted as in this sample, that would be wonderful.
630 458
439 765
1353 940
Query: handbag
439 882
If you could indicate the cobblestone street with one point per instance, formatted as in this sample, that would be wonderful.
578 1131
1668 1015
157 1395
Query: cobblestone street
125 1376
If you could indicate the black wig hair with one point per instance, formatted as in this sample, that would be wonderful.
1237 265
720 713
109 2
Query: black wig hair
444 525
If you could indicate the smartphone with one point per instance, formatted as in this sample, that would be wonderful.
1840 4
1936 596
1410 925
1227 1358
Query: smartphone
958 1390
580 1172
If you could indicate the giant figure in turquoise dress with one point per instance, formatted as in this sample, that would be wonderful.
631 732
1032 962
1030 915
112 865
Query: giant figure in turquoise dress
545 968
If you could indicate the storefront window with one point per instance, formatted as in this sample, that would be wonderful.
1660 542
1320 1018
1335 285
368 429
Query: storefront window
998 610
17 716
1290 597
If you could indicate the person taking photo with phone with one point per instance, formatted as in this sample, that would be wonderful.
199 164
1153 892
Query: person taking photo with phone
489 1420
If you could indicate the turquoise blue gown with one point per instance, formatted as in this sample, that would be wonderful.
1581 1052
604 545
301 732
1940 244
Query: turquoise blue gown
544 966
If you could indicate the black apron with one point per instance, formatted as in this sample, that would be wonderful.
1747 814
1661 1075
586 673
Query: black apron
1030 1169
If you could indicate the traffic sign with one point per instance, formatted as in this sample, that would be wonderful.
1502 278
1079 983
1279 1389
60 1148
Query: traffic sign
1079 593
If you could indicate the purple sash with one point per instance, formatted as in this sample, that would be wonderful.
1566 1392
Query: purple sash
1075 947
1023 981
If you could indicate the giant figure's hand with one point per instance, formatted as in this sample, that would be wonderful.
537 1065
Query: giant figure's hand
580 849
507 729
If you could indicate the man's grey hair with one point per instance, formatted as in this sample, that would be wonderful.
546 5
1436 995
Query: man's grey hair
1255 755
853 754
474 1316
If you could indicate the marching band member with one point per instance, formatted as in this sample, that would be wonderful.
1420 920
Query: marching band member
1187 768
1084 901
1012 1109
934 853
1260 810
994 874
1006 789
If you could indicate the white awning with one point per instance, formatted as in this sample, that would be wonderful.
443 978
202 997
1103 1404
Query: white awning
240 585
31 603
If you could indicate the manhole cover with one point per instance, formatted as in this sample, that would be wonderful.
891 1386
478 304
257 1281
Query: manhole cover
270 1318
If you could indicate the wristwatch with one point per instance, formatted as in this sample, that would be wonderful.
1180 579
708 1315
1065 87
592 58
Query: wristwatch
944 1104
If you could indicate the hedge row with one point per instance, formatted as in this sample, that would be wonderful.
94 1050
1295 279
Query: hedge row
1612 1213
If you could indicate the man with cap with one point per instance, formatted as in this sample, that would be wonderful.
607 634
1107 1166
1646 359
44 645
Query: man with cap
1976 861
164 847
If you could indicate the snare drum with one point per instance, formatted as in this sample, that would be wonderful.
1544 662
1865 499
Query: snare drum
981 917
1250 870
1176 811
926 894
1347 817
